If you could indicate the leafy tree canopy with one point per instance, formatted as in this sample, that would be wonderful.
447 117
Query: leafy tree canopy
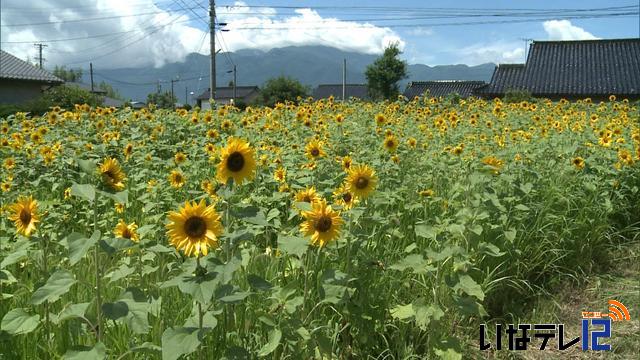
281 89
385 72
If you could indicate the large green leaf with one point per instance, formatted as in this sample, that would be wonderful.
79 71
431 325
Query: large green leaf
18 254
18 321
72 311
293 245
179 341
414 262
469 286
84 191
403 312
258 283
98 352
78 245
58 284
274 340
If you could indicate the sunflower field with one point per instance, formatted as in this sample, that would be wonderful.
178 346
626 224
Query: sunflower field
315 230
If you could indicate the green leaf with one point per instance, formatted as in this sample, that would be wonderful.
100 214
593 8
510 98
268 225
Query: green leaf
147 347
113 245
293 245
476 229
18 254
98 352
303 206
413 261
448 354
115 310
88 166
237 353
58 284
179 341
72 311
78 245
526 188
469 286
209 321
85 191
469 306
403 312
274 340
120 273
425 231
522 207
510 235
258 283
18 321
489 249
235 297
425 313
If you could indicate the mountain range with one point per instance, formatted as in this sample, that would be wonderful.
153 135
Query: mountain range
311 65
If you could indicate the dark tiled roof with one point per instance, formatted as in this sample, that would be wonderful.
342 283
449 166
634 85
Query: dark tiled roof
324 91
13 68
584 68
227 92
83 86
505 77
442 88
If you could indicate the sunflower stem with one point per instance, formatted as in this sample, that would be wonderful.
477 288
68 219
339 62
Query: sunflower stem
200 313
97 268
45 270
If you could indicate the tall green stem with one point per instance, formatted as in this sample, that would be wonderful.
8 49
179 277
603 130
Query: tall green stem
96 259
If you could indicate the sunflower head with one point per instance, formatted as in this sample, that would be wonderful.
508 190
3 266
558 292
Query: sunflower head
314 150
194 228
237 161
24 214
391 143
112 174
345 198
176 179
127 231
361 180
578 162
322 223
179 157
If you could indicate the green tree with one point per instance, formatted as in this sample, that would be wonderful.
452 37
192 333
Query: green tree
162 100
385 72
281 89
70 75
64 96
111 92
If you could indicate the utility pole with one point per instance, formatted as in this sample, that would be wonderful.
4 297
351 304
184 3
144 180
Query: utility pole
91 75
159 87
173 102
212 35
186 100
40 58
344 79
235 83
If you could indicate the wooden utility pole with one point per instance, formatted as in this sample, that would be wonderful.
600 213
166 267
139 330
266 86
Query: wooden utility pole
212 35
91 75
235 84
40 58
344 79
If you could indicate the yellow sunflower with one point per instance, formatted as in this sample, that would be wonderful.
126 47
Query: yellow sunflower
194 228
112 174
280 175
128 150
578 162
344 198
308 195
322 223
391 143
361 180
127 231
237 162
346 163
314 150
24 215
179 157
176 179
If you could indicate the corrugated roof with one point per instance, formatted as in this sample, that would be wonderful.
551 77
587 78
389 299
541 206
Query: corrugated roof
13 68
505 77
227 92
439 88
584 68
324 91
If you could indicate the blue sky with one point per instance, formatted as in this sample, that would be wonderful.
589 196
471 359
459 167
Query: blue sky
139 33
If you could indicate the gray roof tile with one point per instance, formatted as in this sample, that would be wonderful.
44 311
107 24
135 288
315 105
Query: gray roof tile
13 68
442 88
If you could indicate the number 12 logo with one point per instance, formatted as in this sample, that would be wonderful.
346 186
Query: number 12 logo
596 334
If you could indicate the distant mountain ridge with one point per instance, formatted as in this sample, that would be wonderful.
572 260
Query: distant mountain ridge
311 65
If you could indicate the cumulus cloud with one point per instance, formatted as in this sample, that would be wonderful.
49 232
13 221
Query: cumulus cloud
140 33
564 30
499 52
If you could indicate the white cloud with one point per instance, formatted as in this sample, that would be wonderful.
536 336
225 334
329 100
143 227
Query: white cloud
564 30
420 31
498 52
161 35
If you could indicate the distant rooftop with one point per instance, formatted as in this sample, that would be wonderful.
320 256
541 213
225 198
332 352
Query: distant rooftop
438 88
324 91
13 68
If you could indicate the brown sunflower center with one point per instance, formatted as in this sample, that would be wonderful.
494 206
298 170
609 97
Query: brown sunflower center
315 152
346 197
126 233
195 226
306 198
323 224
390 143
109 175
235 162
25 216
362 183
